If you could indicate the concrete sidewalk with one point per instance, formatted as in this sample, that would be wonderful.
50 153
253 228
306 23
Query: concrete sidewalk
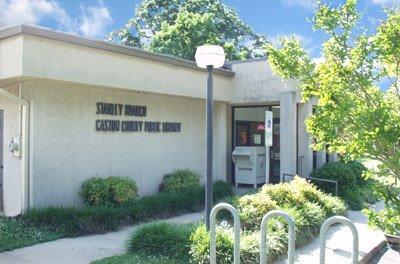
339 242
80 250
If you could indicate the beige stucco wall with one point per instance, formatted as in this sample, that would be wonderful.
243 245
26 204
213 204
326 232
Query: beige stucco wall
12 166
254 82
66 150
11 57
63 61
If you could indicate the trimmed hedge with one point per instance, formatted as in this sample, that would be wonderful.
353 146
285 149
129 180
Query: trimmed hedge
354 189
73 222
180 179
113 190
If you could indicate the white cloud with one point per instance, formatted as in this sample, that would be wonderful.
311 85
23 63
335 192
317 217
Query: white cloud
389 3
92 21
306 4
14 12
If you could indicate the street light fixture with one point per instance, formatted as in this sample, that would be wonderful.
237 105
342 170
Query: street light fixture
209 57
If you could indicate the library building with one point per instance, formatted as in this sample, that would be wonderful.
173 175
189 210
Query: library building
73 108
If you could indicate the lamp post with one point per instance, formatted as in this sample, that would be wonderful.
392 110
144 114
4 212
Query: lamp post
209 57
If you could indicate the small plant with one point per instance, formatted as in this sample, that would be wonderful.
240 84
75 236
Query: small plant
162 239
109 191
180 179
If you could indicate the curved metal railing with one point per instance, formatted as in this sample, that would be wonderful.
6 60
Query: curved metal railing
291 235
322 237
213 239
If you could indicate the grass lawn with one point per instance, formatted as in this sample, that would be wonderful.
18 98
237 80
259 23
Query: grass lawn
134 259
16 234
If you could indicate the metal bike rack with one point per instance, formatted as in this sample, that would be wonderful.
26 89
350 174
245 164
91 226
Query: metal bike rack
213 239
322 237
291 235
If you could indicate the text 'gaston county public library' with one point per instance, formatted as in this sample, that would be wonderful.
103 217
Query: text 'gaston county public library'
115 125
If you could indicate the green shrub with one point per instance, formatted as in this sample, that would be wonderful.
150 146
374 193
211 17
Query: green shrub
354 189
180 179
162 239
222 189
308 206
292 194
200 245
113 190
99 219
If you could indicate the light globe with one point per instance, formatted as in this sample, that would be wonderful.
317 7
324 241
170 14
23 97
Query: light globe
210 55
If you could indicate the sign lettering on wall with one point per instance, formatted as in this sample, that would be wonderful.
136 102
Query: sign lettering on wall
268 128
115 125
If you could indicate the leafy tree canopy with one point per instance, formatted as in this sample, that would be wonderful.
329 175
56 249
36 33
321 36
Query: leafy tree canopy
354 116
177 27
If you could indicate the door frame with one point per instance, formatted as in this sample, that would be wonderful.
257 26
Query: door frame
233 139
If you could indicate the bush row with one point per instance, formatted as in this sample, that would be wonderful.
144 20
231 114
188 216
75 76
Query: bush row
116 190
354 189
308 206
99 219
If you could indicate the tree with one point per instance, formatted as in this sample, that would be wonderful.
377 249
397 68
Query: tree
189 31
354 115
156 22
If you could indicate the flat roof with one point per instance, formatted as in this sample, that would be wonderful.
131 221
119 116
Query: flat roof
103 45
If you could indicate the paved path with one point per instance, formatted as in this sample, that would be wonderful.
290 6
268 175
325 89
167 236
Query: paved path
81 250
339 242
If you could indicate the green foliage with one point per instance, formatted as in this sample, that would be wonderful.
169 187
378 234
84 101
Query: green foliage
298 192
73 222
354 188
221 190
135 259
308 206
354 116
108 191
15 234
388 219
200 245
161 239
181 39
177 27
180 179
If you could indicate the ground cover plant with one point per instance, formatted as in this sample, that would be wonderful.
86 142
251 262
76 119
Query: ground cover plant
45 224
303 201
356 190
15 234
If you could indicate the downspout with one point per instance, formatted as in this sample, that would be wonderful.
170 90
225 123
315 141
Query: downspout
25 109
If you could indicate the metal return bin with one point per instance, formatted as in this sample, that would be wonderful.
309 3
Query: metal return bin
249 165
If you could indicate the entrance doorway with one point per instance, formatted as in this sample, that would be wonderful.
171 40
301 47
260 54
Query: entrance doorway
1 160
249 131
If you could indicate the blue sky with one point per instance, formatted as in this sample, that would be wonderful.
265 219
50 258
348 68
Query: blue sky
95 18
